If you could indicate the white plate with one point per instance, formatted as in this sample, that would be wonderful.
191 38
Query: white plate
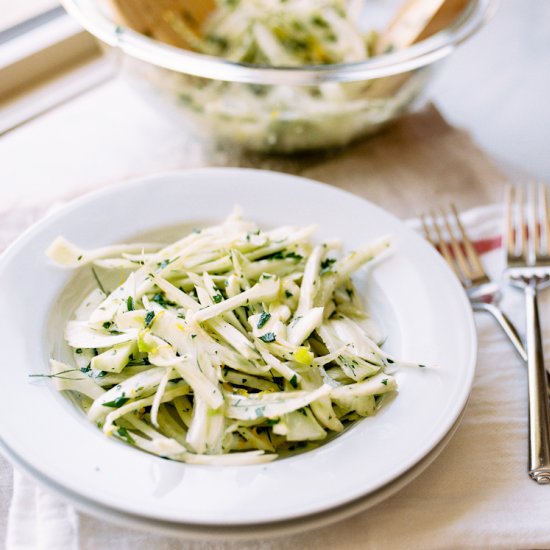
419 302
244 532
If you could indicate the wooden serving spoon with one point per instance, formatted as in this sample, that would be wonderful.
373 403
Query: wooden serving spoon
148 17
415 21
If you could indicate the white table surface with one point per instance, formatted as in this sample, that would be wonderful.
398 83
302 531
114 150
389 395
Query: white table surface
495 86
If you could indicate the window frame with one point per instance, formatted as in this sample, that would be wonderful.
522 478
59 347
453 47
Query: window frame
37 59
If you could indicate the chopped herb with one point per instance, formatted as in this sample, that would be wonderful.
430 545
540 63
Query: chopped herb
326 265
264 318
294 256
385 381
272 421
282 254
58 375
319 21
193 336
288 294
86 369
149 318
163 264
161 300
294 381
130 303
390 361
79 258
98 281
217 298
275 256
268 337
107 324
216 40
78 350
422 366
123 432
101 374
116 403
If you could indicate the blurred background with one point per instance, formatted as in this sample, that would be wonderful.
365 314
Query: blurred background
495 86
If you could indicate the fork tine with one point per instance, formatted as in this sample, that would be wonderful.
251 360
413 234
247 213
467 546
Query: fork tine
471 253
517 229
536 222
440 242
509 233
521 228
457 250
544 221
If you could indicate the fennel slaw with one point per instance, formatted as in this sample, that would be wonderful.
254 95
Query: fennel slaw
232 345
282 118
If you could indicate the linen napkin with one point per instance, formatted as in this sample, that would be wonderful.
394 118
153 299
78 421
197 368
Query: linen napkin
476 494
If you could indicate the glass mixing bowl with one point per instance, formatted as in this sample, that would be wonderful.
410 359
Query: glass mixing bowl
272 109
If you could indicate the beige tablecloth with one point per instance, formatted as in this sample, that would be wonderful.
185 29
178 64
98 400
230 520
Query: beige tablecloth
476 494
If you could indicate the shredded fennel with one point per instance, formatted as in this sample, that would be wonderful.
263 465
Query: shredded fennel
232 345
279 32
283 33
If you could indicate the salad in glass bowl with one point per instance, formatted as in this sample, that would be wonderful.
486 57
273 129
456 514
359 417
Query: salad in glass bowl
275 76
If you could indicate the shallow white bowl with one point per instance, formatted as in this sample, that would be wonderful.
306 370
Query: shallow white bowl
415 296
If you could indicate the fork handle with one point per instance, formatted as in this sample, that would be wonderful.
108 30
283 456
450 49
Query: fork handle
506 325
539 418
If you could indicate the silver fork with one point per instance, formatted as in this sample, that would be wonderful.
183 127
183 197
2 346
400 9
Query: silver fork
460 254
527 245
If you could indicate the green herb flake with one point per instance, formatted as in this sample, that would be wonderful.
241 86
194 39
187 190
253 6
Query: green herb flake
107 324
217 298
98 282
385 381
268 337
264 318
294 381
116 403
326 265
130 303
161 300
288 294
149 318
294 256
272 421
78 350
125 434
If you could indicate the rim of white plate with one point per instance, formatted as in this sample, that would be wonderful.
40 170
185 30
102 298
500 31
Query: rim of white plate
112 474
